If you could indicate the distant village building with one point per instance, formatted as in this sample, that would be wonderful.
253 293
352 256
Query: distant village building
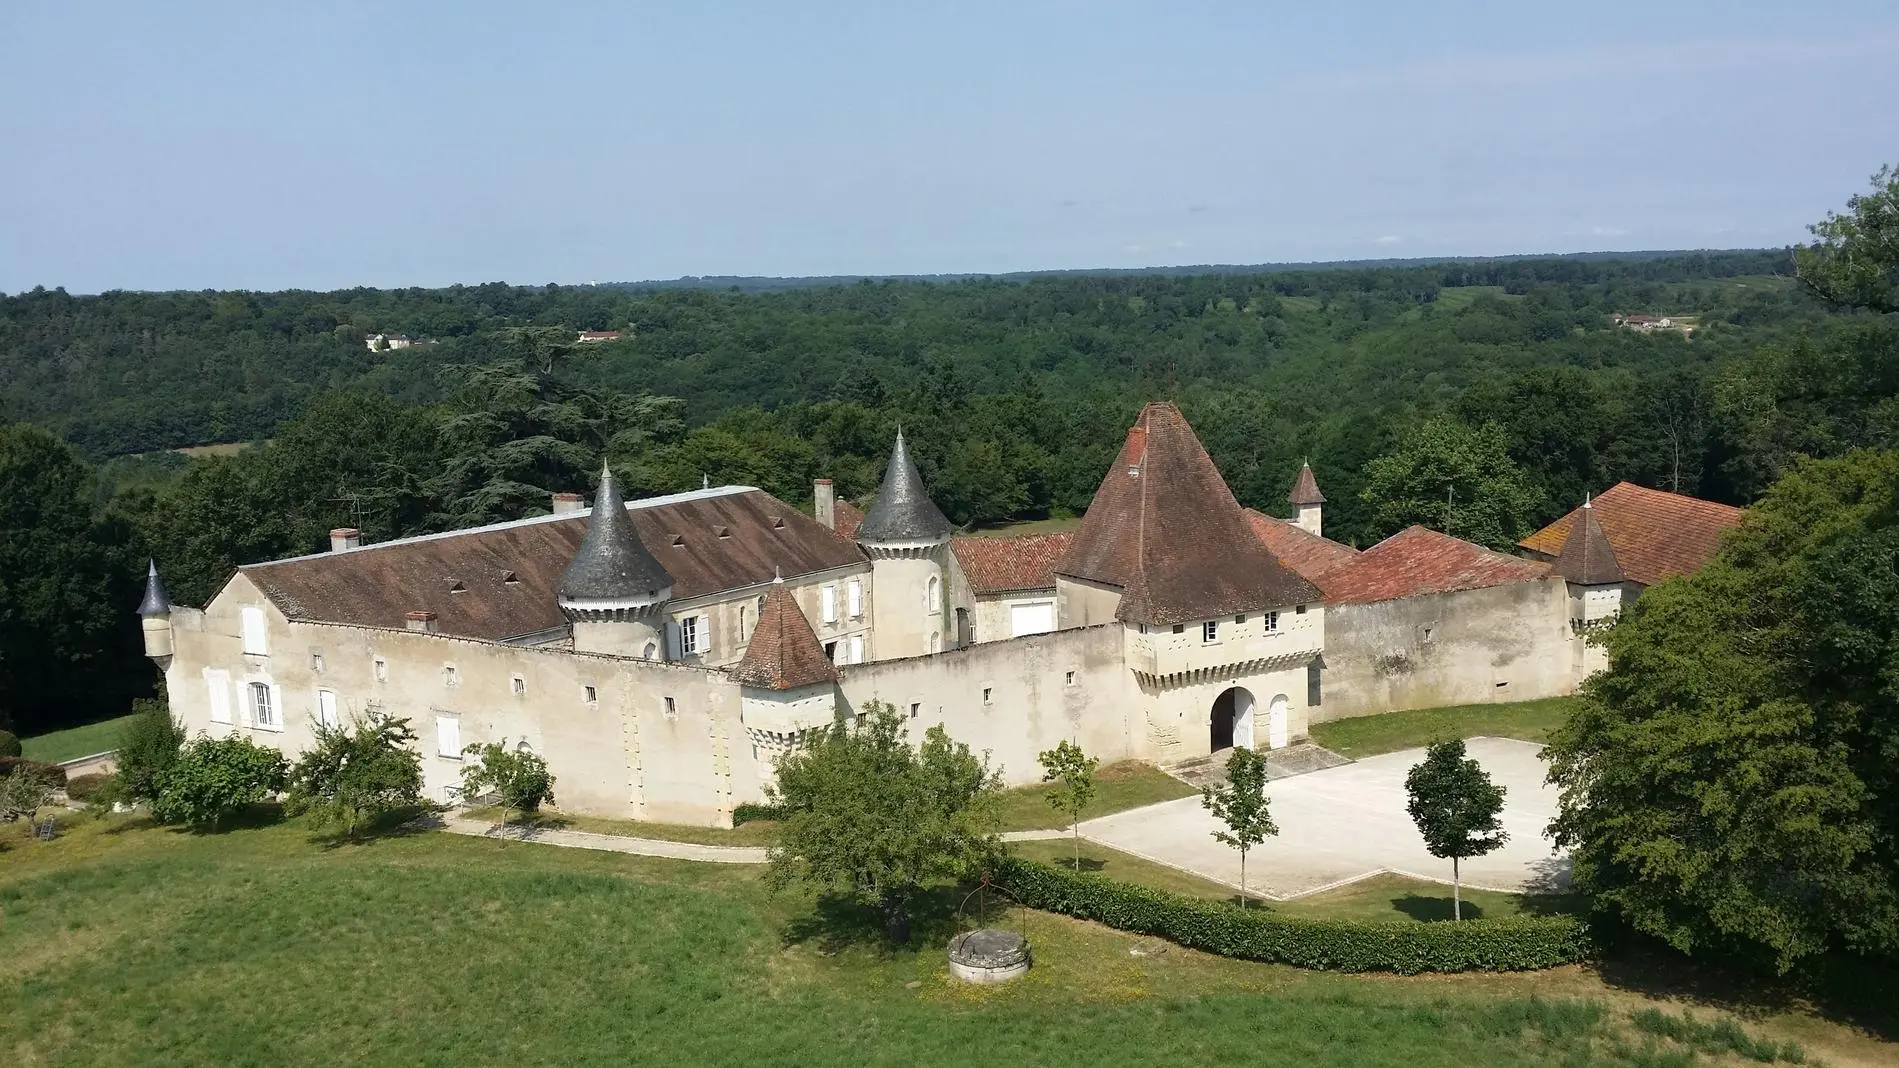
662 653
587 336
385 342
1645 322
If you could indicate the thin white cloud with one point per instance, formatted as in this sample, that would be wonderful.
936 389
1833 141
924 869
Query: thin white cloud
1607 231
1388 239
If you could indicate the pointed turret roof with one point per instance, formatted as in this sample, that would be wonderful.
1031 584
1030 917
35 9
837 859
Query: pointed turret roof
1166 529
612 563
903 511
1587 559
156 602
1305 490
783 653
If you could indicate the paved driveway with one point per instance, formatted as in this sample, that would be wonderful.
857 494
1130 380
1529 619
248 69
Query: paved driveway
1348 822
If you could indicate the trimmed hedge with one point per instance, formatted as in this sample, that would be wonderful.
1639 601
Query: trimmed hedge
1501 945
748 811
51 772
9 744
83 787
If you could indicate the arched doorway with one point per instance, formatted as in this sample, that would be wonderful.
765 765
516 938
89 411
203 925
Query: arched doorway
1232 721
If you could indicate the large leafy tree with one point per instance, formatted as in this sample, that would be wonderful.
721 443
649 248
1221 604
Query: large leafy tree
1457 809
1731 782
1452 477
69 645
1855 261
351 777
867 813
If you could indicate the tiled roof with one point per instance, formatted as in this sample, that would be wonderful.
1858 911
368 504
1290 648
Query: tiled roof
500 581
612 562
1004 565
847 517
1306 489
1165 528
1654 534
783 652
903 510
1586 558
1299 549
1418 560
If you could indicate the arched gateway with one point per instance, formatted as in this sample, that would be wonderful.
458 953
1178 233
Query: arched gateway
1232 721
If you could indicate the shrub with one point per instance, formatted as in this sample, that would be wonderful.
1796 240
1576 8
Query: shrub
520 779
52 773
349 778
23 792
9 744
750 812
148 745
1515 944
86 787
214 778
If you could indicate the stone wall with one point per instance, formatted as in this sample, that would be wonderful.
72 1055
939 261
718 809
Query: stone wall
1503 643
1013 698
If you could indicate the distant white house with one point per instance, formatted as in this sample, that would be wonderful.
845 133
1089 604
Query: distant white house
385 342
599 335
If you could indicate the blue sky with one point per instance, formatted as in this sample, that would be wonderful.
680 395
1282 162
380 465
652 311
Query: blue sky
320 145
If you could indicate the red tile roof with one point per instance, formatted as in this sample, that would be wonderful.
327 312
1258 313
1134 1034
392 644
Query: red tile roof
1004 565
1164 527
1654 534
783 652
500 581
1418 560
1297 548
847 517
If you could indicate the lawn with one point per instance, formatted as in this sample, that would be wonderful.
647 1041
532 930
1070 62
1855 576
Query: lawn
1052 525
1388 732
122 944
74 741
753 833
1119 787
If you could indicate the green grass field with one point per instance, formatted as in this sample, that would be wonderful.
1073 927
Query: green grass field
74 742
1118 787
122 944
1054 525
1363 736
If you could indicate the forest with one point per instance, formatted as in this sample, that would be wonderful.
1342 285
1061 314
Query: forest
1479 397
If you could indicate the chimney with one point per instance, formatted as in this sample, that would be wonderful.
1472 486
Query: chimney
422 621
345 538
824 497
568 502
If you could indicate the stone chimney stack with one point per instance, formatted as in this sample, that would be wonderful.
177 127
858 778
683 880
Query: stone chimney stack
422 621
345 538
568 502
824 494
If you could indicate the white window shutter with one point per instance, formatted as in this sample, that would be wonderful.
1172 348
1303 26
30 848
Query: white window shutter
448 735
828 599
326 709
857 648
254 632
218 685
856 599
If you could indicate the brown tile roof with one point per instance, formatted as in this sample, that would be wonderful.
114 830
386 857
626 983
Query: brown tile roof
1586 558
847 517
1305 552
1165 528
1004 565
1418 560
1654 534
500 581
783 652
1306 489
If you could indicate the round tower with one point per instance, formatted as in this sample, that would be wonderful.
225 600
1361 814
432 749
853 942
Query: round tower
905 535
614 592
155 618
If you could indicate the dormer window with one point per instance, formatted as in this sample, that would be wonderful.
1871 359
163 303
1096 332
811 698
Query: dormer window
456 586
1210 631
509 578
723 532
679 539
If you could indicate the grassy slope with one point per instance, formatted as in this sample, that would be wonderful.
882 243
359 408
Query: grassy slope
125 945
1389 732
1119 787
74 741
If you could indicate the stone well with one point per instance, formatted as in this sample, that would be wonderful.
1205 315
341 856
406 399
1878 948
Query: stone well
988 955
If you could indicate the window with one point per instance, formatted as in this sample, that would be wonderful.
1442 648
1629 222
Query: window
219 685
742 632
254 632
316 663
855 599
988 695
672 709
1269 622
857 648
326 709
1143 628
519 685
830 652
382 670
1180 628
448 737
1070 680
932 596
451 677
1238 620
1210 630
827 604
936 642
592 694
914 707
1299 611
689 636
262 714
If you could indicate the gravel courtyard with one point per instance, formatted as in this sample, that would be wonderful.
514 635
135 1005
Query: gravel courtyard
1348 822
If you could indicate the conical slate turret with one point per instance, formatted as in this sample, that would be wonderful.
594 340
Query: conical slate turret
156 602
904 511
612 572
